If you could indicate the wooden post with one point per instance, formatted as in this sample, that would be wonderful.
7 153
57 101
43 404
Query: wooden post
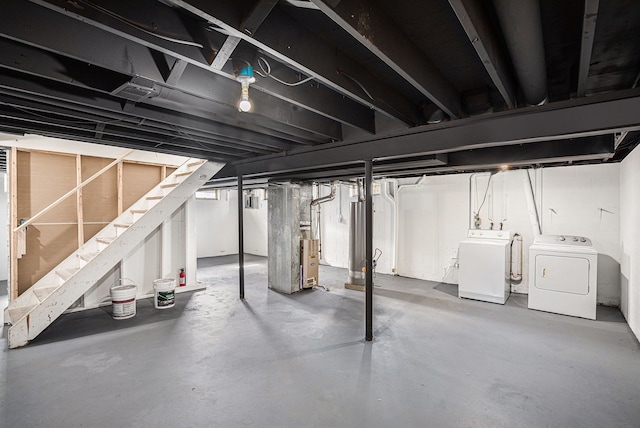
119 187
79 201
13 223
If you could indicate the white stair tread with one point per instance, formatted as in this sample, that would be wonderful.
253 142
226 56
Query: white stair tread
168 185
43 293
16 313
106 240
122 225
138 211
196 163
88 256
65 274
182 174
154 198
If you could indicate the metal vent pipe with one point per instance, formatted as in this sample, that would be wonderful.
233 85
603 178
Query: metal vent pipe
522 29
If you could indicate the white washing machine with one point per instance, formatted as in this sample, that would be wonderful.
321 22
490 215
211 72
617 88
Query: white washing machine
563 272
485 266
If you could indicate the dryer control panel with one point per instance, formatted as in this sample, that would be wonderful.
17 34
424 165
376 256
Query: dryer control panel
564 240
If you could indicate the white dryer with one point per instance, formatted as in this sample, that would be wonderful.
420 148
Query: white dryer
563 272
485 266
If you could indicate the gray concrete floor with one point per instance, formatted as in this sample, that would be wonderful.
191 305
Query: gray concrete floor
299 361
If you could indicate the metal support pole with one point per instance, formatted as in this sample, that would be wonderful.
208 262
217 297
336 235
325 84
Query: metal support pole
368 178
241 237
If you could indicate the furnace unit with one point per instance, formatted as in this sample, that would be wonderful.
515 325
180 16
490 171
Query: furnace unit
308 263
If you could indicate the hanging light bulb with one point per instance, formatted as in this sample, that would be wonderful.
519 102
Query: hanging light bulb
245 104
245 77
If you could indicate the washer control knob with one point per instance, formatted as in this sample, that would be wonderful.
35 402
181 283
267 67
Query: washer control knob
583 239
575 239
561 238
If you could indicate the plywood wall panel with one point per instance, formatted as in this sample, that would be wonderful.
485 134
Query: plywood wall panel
90 230
42 178
47 245
100 197
137 180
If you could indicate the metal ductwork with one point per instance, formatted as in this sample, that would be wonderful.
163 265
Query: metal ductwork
522 28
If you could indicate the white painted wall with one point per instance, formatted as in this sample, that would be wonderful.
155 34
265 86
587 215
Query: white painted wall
586 202
434 217
255 227
334 227
630 239
217 226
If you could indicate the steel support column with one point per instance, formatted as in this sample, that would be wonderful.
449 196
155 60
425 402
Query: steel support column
240 237
368 237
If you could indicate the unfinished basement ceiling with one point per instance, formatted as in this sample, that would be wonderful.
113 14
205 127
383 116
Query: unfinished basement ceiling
419 86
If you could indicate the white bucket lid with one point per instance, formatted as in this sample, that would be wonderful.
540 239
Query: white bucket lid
129 290
164 284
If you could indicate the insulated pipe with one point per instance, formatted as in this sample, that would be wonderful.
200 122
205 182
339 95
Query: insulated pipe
522 30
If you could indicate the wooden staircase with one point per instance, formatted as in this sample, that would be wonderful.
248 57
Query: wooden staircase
36 308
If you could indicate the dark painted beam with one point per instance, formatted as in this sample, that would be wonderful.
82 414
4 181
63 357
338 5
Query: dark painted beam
149 23
176 72
363 20
44 109
315 97
257 16
91 101
39 123
589 20
311 56
314 57
225 53
15 126
29 60
597 115
128 58
206 86
487 45
575 150
121 45
570 150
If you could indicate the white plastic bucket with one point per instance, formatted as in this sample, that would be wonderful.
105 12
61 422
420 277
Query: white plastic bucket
123 300
164 295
